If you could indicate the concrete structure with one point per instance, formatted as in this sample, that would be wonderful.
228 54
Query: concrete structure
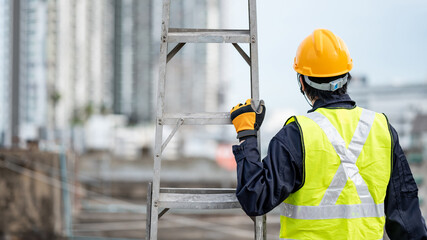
32 203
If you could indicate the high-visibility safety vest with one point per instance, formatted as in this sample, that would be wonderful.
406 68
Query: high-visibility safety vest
347 166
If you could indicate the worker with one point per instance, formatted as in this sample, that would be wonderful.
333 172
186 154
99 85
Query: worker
337 172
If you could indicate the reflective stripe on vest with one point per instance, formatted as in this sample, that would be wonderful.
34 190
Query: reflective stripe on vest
297 239
327 209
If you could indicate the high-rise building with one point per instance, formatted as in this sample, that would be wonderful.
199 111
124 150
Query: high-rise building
81 57
134 57
22 81
193 81
143 96
33 92
124 57
5 33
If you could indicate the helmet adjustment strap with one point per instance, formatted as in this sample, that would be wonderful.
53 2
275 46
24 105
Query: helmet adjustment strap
330 86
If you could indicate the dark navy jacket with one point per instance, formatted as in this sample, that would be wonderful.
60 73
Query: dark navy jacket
261 186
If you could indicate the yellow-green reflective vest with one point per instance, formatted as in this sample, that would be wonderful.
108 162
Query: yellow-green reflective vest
347 165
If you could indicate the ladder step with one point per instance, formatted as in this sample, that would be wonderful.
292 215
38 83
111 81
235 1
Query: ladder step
188 35
198 198
207 118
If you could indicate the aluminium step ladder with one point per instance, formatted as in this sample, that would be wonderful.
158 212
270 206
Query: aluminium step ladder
160 200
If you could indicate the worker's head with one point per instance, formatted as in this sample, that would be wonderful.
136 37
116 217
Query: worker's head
323 64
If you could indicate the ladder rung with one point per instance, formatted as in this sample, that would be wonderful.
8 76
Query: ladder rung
185 35
206 118
198 198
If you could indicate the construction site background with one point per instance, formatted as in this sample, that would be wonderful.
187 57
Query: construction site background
77 108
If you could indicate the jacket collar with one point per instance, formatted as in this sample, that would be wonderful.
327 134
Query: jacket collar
342 101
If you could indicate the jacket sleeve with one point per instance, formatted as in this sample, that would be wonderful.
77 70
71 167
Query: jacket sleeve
402 210
261 186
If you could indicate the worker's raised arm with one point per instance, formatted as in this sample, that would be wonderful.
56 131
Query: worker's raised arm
261 186
403 215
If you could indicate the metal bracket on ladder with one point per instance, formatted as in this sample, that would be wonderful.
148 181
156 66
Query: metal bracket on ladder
197 198
178 124
242 53
174 51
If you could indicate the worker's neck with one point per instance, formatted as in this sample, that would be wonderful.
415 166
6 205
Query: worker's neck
313 101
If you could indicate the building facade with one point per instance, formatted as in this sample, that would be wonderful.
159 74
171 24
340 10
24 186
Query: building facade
401 104
33 92
5 32
85 57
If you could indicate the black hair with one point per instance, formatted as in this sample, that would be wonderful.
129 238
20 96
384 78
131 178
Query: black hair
314 93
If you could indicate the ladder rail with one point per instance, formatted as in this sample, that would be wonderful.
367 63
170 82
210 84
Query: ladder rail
254 52
154 214
148 222
260 221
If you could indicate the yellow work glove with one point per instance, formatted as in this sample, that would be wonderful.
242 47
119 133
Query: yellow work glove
246 119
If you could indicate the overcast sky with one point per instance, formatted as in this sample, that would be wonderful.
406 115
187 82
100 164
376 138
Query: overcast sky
387 41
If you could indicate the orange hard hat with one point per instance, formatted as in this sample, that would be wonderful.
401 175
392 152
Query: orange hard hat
322 54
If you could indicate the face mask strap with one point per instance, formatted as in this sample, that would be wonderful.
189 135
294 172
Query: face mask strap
302 92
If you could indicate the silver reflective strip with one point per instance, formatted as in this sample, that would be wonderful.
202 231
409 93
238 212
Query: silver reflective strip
297 239
355 148
348 168
341 176
335 188
332 211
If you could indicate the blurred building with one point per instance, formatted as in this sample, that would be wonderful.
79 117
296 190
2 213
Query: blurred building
194 81
193 75
401 104
80 60
84 57
76 58
5 45
33 95
134 57
108 49
22 82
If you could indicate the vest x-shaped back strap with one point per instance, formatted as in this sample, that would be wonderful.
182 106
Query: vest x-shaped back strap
327 209
348 156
